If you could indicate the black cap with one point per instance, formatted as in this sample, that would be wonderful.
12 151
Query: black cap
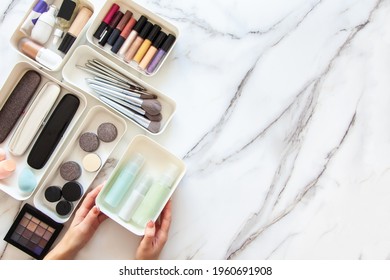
72 191
53 194
153 33
66 43
140 24
64 207
118 44
168 42
159 39
66 9
145 31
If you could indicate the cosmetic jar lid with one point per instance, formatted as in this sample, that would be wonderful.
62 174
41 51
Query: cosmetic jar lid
159 39
63 207
140 24
72 191
153 33
53 194
168 42
67 9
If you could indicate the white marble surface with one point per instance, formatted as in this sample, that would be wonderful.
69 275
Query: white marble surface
283 122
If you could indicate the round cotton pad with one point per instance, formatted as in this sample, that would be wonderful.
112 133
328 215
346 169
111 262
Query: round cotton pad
53 194
70 171
63 207
92 162
107 132
72 191
89 142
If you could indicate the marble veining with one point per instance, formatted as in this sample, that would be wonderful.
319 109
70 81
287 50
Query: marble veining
282 121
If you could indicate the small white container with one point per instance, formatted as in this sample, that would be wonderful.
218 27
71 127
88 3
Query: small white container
10 185
44 26
73 152
137 11
157 158
77 78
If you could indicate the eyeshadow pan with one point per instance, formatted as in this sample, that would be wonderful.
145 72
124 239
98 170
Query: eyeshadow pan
40 230
35 239
24 222
27 234
33 232
47 235
31 226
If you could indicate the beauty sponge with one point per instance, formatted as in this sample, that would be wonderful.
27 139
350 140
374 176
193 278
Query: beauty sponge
17 102
27 181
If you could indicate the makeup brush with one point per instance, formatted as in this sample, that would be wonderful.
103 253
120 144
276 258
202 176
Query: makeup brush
120 90
126 87
133 108
152 106
152 126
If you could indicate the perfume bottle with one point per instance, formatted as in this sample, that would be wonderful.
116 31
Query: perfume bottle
154 198
65 17
122 183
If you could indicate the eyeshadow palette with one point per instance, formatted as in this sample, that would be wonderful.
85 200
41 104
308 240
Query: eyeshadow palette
33 232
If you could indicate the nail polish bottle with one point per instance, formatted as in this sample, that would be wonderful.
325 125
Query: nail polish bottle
168 43
66 15
44 26
133 34
146 44
154 198
138 42
122 183
134 200
152 50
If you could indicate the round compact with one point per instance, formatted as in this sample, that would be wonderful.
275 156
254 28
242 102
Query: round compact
64 207
70 171
89 142
72 191
92 162
107 132
53 194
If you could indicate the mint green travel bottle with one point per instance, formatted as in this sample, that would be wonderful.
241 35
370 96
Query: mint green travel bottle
155 197
123 181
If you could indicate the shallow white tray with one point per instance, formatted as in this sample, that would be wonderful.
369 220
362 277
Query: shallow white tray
96 116
76 77
157 158
10 185
137 10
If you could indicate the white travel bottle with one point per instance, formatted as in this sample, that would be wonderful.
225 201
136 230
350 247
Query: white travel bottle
135 198
44 26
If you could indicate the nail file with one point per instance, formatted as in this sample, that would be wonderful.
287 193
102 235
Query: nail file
17 102
53 131
34 118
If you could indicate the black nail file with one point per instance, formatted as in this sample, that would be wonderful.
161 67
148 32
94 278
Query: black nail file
53 131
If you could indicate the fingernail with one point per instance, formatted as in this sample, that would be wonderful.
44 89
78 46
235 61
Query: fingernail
150 224
96 210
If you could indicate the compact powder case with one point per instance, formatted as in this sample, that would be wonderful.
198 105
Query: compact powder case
33 232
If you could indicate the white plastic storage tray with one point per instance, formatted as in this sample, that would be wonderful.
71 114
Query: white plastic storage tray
19 34
137 11
10 184
157 158
73 152
77 78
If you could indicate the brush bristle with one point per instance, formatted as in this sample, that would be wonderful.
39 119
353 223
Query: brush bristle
152 106
154 127
156 118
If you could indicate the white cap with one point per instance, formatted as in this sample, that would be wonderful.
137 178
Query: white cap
49 58
57 35
169 176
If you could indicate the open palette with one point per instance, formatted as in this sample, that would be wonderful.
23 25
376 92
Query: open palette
58 131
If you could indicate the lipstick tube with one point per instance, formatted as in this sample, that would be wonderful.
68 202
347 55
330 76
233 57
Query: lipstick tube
130 39
106 21
152 50
147 43
117 18
75 29
121 25
168 43
124 35
138 42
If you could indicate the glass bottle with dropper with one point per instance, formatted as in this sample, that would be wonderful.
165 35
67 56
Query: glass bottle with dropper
65 17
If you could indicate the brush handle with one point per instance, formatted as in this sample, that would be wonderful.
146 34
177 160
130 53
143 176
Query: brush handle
136 101
112 87
124 103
